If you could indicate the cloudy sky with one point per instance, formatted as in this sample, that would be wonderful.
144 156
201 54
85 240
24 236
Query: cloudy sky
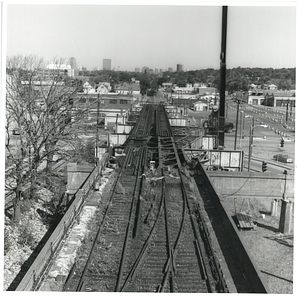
157 36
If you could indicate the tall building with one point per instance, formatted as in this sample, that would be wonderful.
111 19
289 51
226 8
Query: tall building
106 64
179 67
137 70
72 63
144 69
170 69
73 72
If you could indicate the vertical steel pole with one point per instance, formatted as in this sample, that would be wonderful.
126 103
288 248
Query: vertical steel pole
252 138
97 129
250 149
236 128
240 124
223 79
240 128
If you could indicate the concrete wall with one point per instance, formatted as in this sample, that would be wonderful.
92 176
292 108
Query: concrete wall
118 139
123 128
251 271
114 118
254 185
76 176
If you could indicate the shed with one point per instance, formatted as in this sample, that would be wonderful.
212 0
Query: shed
200 106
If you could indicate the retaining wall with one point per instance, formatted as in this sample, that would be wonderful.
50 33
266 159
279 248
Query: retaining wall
251 271
253 185
39 265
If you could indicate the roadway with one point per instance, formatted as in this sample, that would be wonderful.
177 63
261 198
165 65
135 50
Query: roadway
266 141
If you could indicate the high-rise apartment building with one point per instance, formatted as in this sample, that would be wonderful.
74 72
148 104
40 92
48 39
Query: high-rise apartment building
145 69
179 68
170 69
106 64
72 63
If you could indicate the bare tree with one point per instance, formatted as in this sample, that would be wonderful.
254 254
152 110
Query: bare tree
39 105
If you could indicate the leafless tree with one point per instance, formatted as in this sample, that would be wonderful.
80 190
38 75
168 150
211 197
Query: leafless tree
39 106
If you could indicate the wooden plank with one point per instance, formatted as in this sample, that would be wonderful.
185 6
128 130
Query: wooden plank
244 221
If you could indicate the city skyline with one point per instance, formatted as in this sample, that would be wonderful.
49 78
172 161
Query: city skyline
158 36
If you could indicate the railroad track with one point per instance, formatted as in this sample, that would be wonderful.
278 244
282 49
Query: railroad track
151 238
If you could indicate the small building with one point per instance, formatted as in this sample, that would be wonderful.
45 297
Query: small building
105 83
53 70
197 85
272 87
167 85
102 89
200 106
279 98
256 97
88 88
211 97
128 88
204 90
183 90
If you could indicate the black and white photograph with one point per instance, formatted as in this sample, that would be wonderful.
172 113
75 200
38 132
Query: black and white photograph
148 147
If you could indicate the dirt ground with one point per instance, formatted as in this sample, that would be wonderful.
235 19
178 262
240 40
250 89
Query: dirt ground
271 251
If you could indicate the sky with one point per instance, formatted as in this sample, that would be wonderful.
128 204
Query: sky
156 36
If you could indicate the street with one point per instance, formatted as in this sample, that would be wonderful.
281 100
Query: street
266 141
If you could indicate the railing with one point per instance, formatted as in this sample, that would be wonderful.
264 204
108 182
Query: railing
36 270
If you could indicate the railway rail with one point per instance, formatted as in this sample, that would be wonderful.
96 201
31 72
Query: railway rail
151 231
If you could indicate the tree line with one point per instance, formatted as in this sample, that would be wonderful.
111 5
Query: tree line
237 79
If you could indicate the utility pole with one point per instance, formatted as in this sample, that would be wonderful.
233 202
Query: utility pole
238 101
97 129
240 127
223 79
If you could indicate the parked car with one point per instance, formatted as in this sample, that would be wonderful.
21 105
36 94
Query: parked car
283 158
